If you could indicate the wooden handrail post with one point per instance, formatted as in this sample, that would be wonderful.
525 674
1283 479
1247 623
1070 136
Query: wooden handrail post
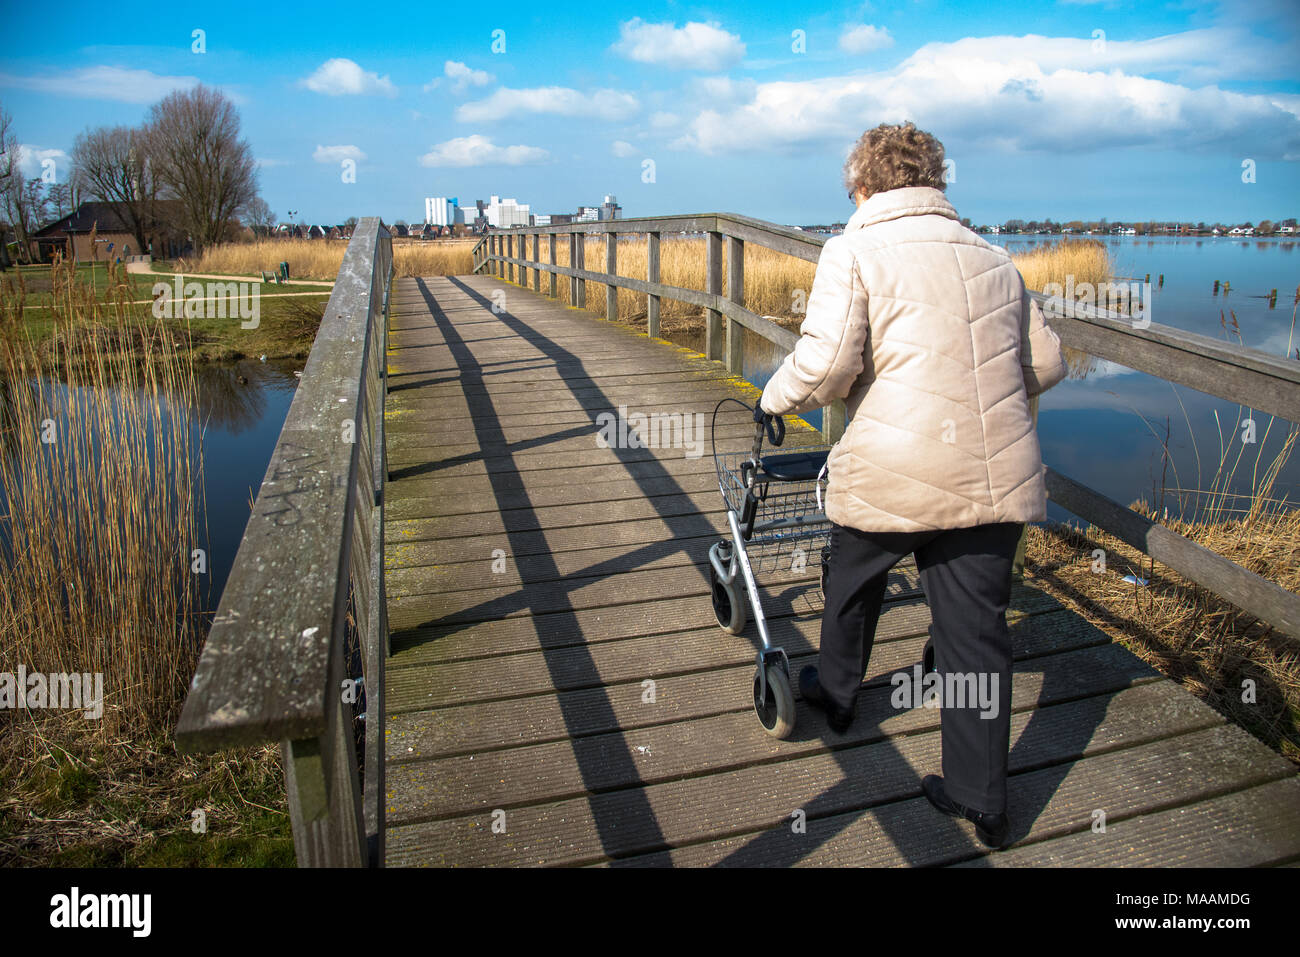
573 264
652 275
537 258
735 353
833 421
554 291
713 286
1018 563
510 254
581 301
611 268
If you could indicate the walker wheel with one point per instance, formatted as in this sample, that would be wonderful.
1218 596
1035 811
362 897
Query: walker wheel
775 710
728 603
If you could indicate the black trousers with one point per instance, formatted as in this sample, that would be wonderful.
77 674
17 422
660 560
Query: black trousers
966 576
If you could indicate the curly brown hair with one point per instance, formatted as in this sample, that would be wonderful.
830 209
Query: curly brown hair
893 156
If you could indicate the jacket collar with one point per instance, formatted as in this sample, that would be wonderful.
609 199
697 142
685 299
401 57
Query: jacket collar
894 203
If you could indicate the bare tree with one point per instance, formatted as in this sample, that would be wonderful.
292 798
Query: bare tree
10 178
111 164
258 217
200 160
60 197
36 204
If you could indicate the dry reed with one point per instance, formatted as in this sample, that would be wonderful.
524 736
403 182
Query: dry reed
102 491
321 258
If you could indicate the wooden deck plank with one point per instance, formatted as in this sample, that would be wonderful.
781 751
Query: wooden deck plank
685 748
523 691
755 803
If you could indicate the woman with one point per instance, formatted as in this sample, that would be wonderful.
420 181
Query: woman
927 333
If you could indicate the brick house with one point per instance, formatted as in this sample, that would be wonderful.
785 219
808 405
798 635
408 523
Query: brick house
113 236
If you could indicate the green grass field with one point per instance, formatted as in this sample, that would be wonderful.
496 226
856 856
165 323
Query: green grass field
290 313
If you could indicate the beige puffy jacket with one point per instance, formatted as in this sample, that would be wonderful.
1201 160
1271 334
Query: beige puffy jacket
927 333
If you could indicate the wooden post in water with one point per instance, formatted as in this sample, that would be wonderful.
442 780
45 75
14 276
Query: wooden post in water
735 354
1272 299
554 291
652 275
1216 287
611 269
713 286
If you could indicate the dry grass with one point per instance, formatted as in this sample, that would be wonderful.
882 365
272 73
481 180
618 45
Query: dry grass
1189 634
74 798
321 258
1085 259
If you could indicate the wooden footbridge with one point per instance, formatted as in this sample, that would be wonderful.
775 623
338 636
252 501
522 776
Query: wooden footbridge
544 680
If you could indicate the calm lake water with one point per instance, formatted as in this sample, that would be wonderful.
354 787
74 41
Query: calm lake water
242 409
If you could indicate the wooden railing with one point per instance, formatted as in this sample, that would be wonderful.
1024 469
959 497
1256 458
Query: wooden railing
278 664
1256 380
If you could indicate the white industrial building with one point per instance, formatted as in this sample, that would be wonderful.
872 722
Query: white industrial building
441 211
504 213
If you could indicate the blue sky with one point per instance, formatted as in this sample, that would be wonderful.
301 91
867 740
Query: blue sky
1060 109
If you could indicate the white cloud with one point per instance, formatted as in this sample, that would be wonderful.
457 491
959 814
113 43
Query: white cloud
343 77
1028 93
622 149
559 100
1193 56
30 158
103 83
664 121
336 154
478 150
696 46
462 77
723 90
865 39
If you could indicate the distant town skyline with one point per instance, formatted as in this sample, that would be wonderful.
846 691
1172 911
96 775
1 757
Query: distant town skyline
1067 109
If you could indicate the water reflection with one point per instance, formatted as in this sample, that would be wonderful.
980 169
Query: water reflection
241 407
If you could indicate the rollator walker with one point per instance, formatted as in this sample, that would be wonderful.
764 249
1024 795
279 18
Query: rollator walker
774 510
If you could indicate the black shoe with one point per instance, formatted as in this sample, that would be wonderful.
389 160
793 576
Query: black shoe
838 718
990 828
